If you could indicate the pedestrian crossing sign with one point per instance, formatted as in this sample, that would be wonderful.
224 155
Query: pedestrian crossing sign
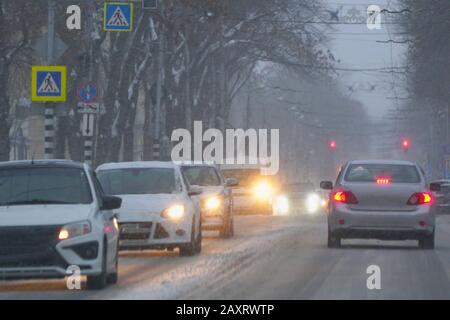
118 16
48 83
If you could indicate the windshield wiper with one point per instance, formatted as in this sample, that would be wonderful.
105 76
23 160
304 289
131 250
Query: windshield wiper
35 201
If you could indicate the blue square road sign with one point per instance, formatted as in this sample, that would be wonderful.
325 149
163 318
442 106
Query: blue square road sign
118 16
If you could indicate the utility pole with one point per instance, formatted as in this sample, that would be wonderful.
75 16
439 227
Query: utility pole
49 122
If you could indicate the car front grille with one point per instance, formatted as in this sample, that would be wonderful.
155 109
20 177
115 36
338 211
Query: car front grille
29 247
135 231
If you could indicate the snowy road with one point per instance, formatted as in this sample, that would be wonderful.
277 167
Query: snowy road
271 258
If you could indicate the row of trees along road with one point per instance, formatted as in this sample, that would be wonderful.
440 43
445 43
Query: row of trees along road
427 93
204 50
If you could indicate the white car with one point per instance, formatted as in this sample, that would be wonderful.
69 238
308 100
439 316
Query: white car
216 201
55 218
157 211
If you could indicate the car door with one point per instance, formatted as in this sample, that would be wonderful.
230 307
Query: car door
108 219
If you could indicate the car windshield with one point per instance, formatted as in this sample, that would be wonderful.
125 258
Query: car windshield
138 181
302 187
30 186
245 177
372 172
201 176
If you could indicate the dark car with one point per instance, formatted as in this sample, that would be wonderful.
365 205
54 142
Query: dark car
303 197
443 197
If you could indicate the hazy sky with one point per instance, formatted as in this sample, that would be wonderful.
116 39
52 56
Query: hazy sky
357 48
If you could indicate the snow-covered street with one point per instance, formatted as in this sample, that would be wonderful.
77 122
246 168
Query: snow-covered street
270 258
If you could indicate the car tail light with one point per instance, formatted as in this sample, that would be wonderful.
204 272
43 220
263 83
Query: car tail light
383 180
420 198
345 197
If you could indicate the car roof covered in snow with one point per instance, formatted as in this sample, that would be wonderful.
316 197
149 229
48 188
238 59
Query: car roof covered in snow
393 162
137 164
42 163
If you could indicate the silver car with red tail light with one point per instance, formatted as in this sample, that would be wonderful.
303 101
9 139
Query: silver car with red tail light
379 199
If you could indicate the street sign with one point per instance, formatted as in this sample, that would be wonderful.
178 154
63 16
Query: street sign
48 83
118 16
87 92
88 108
150 4
87 126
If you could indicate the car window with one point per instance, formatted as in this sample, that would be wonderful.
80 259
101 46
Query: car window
138 181
371 172
201 176
36 185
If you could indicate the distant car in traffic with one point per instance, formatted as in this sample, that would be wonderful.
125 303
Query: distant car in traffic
256 193
304 198
216 201
54 215
442 197
387 200
157 211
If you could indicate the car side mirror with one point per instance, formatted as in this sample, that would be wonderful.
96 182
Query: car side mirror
111 202
232 182
326 185
435 187
194 191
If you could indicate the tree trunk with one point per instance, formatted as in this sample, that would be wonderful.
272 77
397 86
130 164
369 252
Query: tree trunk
128 132
5 126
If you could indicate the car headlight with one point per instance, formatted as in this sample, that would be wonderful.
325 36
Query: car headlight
282 205
263 190
212 203
175 212
74 230
313 203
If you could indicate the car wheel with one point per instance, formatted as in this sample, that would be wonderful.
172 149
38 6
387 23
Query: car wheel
193 247
100 281
333 240
427 242
227 230
232 227
198 244
114 277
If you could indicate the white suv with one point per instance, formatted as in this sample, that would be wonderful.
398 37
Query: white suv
54 217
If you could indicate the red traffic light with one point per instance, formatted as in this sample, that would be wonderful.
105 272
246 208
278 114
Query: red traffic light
332 144
406 144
